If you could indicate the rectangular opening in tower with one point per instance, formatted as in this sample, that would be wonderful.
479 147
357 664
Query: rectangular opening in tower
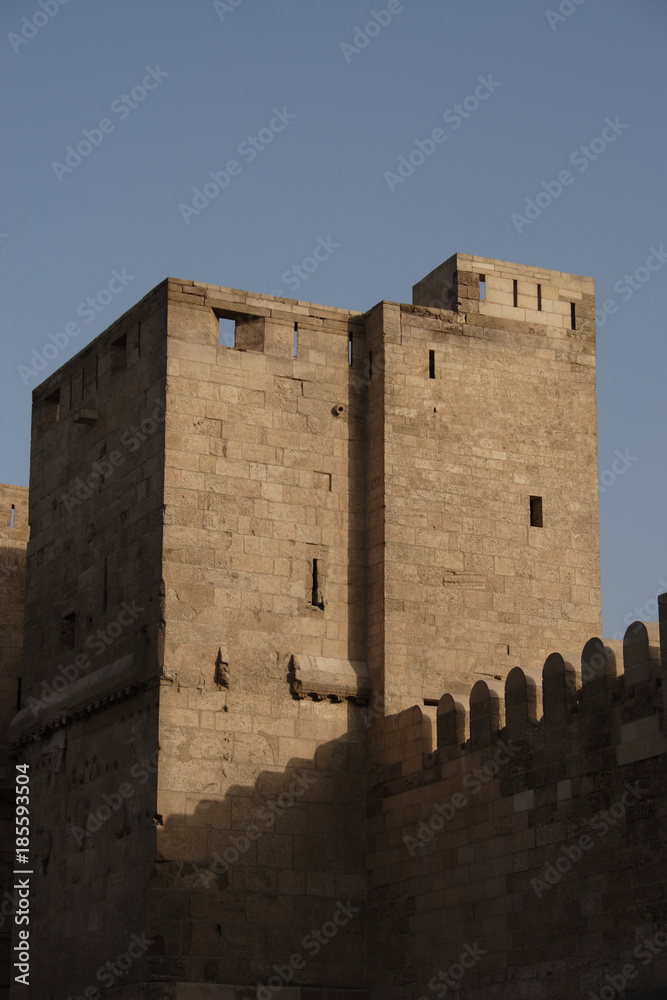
51 407
482 287
227 332
350 353
573 316
12 517
315 596
431 364
536 512
296 339
539 298
68 630
515 293
118 351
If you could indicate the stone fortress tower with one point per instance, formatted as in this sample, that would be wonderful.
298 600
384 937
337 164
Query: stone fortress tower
266 569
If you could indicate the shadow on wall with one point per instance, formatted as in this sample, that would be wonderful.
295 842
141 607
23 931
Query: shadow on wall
268 883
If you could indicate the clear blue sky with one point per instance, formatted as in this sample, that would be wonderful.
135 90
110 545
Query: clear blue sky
213 79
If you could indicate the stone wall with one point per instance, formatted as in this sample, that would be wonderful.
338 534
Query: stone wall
261 788
519 857
88 725
317 521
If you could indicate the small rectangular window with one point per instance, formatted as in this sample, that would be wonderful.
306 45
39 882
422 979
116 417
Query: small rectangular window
315 596
539 298
573 316
68 630
370 364
515 292
431 364
119 355
536 512
350 351
482 287
52 407
227 332
13 517
296 338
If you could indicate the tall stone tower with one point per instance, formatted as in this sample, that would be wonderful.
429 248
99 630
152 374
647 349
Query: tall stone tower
244 548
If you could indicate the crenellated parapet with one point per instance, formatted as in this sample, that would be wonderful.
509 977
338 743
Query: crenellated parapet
613 691
529 824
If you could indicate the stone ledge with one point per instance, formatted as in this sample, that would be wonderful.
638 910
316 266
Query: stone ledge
320 677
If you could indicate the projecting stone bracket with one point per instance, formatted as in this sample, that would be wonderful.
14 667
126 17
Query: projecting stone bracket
320 677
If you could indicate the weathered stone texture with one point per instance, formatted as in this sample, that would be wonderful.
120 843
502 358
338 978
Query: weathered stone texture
537 849
288 541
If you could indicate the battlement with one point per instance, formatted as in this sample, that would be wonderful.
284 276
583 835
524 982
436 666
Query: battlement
537 839
613 690
516 292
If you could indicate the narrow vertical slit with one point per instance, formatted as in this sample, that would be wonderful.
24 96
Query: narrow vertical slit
431 364
515 292
296 339
539 298
573 316
314 596
482 287
13 516
370 364
536 512
350 349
